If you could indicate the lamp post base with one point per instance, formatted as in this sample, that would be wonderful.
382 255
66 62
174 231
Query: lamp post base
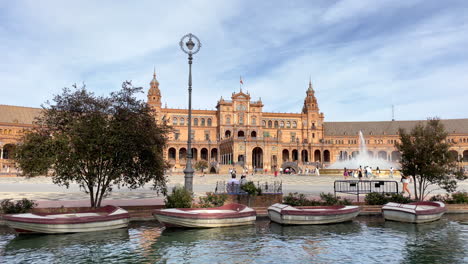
188 178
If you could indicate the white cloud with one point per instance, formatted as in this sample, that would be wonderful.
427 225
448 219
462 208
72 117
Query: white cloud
360 63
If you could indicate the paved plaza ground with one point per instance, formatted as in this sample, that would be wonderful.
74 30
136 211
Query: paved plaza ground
42 188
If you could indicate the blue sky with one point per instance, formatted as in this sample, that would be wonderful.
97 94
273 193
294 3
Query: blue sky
363 56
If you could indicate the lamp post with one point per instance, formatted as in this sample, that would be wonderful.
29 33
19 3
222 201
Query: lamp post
245 153
190 47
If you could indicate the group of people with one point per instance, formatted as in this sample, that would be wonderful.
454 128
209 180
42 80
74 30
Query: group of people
360 172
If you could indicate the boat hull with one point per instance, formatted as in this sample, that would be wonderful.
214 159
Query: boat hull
172 221
287 217
224 216
412 214
104 218
30 228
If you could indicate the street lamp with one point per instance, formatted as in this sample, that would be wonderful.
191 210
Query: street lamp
190 47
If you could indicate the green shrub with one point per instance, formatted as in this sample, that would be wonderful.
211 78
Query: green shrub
375 198
24 205
179 198
438 198
330 199
251 189
460 198
299 199
213 200
455 198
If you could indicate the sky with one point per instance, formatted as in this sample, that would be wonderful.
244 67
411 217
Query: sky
362 56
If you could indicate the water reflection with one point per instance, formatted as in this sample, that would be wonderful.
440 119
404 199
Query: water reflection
365 240
292 232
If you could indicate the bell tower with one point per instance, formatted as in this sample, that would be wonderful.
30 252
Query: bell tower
310 102
312 116
154 94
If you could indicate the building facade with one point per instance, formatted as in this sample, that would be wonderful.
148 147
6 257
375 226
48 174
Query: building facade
238 133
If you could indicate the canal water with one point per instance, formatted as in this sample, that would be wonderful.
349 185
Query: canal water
365 240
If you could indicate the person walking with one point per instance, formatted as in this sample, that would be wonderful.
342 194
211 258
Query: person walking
360 174
317 171
406 180
369 172
391 172
345 174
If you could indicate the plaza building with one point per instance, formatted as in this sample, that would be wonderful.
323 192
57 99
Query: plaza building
239 134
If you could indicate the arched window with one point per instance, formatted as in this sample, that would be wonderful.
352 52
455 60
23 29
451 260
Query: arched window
282 124
276 124
209 121
288 124
254 121
241 119
228 120
174 121
195 122
203 122
294 124
270 124
263 123
182 121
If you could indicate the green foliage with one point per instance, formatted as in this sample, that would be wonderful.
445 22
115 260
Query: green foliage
179 198
24 205
460 198
97 142
330 199
454 198
426 157
250 188
213 200
201 165
375 198
299 199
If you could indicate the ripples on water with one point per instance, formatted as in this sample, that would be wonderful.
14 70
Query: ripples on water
365 240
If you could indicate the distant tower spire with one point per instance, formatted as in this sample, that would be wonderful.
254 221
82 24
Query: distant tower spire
393 113
310 84
154 94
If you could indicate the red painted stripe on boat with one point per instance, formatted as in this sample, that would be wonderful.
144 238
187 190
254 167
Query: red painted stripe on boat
332 211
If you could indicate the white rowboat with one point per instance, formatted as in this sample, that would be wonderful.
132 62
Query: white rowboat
104 218
311 215
418 212
227 215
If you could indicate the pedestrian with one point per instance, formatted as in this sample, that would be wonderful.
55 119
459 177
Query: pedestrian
243 179
276 173
345 174
317 171
281 170
406 180
369 172
391 172
360 174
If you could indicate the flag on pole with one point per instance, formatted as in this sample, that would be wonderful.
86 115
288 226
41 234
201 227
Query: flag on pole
241 82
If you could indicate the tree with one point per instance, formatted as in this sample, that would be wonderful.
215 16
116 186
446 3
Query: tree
201 165
426 158
97 142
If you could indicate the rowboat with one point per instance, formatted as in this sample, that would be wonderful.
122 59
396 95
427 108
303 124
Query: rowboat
311 215
418 212
226 215
104 218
